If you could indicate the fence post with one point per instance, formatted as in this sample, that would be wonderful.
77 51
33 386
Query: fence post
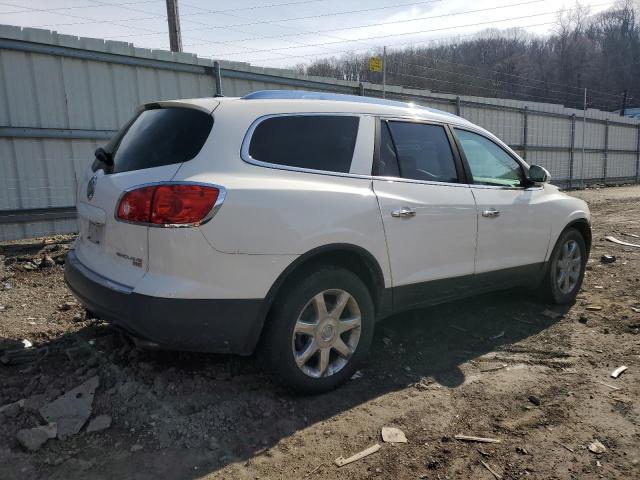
525 132
361 89
217 76
458 106
572 149
606 151
638 157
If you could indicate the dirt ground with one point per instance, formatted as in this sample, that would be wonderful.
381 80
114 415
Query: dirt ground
534 376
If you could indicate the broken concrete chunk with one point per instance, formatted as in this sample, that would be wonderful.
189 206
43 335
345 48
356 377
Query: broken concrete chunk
99 423
33 438
393 435
597 447
12 409
71 410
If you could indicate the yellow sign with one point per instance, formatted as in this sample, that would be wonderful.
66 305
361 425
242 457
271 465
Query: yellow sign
375 64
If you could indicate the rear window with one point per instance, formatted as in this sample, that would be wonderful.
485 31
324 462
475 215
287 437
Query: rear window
158 137
318 142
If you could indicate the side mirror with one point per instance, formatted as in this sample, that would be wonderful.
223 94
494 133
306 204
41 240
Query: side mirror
538 174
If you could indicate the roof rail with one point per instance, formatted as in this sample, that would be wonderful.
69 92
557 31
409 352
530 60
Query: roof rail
339 97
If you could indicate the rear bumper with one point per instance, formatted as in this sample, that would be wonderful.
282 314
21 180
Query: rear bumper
205 325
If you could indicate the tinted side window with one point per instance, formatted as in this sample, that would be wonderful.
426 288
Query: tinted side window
489 163
424 152
318 142
159 137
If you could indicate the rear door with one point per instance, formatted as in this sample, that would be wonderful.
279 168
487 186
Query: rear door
149 149
513 222
429 214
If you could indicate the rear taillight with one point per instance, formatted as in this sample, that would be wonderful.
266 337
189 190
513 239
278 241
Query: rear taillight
169 204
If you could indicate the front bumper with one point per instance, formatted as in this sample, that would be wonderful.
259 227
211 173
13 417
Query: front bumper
204 325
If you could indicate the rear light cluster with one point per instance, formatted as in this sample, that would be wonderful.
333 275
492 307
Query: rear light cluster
169 204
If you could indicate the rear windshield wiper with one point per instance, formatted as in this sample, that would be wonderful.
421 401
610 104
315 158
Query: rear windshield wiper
103 156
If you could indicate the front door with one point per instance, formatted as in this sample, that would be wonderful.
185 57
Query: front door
513 225
429 217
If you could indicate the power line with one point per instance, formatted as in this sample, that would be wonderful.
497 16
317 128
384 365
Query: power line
379 24
86 19
375 37
511 74
76 7
203 12
504 82
479 87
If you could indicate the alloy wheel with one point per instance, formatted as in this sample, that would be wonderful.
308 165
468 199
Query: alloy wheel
568 267
326 333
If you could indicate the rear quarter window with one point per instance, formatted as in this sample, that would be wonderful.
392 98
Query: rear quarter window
317 142
158 137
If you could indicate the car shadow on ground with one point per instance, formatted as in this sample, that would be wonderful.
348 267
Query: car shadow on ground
217 409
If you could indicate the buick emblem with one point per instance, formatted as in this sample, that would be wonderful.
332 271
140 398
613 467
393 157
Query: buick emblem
91 187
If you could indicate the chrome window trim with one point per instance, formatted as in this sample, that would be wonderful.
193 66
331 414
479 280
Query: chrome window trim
444 125
246 142
216 206
506 149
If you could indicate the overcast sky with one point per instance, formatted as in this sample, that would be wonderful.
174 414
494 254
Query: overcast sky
286 32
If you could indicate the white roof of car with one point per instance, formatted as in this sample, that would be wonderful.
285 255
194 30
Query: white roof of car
305 101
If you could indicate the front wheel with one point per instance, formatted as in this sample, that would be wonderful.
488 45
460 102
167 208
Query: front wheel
565 270
320 330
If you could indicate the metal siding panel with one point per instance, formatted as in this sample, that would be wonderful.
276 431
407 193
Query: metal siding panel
50 93
10 195
19 84
77 93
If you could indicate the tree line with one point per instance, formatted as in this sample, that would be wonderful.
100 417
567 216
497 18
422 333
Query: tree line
600 52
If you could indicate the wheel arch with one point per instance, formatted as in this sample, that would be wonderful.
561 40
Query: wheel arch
584 227
349 256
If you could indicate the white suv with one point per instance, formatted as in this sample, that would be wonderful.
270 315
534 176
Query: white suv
299 219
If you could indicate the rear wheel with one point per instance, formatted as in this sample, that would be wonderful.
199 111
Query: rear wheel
565 270
320 330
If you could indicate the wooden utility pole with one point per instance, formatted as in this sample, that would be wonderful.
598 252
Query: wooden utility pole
173 18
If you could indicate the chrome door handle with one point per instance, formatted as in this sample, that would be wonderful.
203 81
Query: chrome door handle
491 213
404 212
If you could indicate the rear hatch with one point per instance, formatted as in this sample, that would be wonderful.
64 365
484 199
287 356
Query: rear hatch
149 149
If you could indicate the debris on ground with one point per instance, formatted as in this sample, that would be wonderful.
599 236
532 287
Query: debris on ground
23 355
607 259
493 472
499 335
468 438
607 385
136 448
535 400
340 461
71 410
618 371
393 435
33 438
12 409
551 314
493 369
594 308
99 423
621 242
566 447
597 447
358 374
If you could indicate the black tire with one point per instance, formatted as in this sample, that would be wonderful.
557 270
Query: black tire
550 290
278 342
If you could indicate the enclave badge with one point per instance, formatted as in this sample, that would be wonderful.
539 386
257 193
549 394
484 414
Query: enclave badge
91 187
